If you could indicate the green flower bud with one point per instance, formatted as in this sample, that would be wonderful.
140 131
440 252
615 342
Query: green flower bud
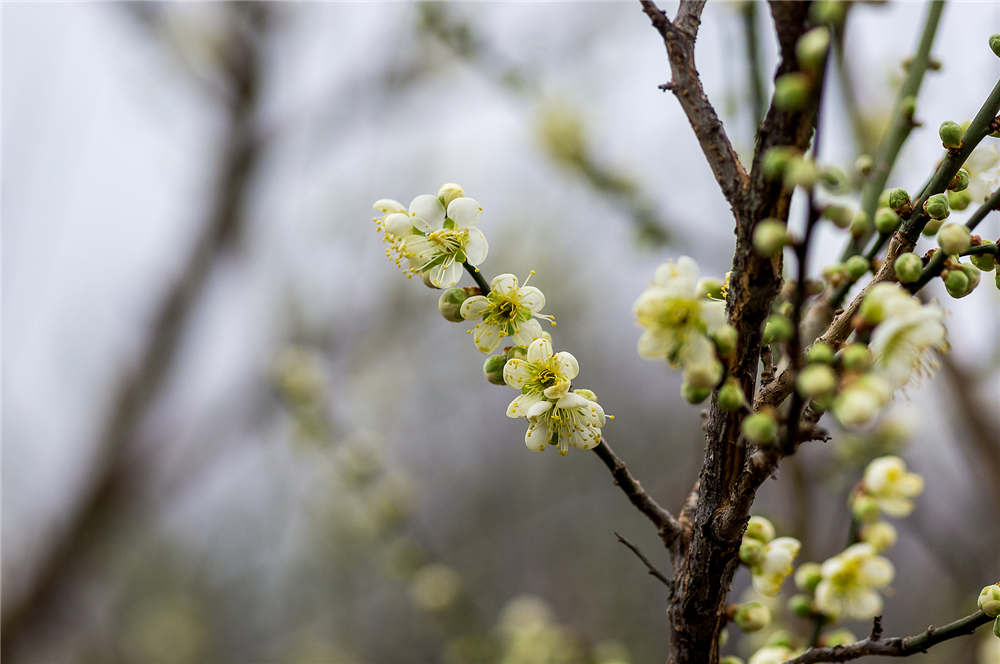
956 283
820 352
959 200
865 508
586 394
828 12
881 535
899 200
801 605
792 91
856 357
816 380
761 529
731 397
725 338
954 239
859 225
984 262
800 172
752 617
751 551
960 181
776 160
450 304
760 428
864 164
932 227
995 44
694 394
808 576
730 659
781 639
886 220
857 266
832 178
908 268
973 276
951 134
838 637
449 192
811 49
840 215
493 369
777 329
989 600
996 623
883 199
936 206
769 237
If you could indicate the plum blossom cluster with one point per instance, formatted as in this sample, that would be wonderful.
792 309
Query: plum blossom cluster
769 558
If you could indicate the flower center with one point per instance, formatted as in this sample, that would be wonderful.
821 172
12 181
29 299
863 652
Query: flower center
450 241
678 312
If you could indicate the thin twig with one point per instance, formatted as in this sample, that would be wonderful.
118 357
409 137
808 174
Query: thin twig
645 561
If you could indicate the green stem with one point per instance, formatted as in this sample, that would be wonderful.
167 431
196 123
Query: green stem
478 277
755 69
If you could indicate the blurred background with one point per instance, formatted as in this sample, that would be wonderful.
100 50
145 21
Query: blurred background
233 432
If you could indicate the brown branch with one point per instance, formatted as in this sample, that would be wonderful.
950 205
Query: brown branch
645 561
897 646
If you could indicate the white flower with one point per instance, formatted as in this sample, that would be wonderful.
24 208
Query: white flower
980 166
572 420
508 311
862 400
888 482
439 241
541 375
903 342
776 565
881 535
848 582
772 655
678 318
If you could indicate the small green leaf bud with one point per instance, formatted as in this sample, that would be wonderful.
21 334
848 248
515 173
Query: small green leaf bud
951 134
899 200
708 287
936 206
815 381
865 508
820 352
752 617
751 551
800 172
908 268
811 49
856 357
808 576
801 605
586 394
838 637
864 164
769 237
956 283
694 394
776 160
886 220
493 369
881 535
995 44
989 600
777 329
960 181
725 338
730 659
760 428
840 215
984 262
954 239
760 528
731 396
859 225
932 227
450 304
792 91
857 266
959 200
828 12
449 192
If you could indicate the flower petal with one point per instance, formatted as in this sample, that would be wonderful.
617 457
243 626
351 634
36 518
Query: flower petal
446 274
504 284
876 571
527 332
521 403
556 391
464 212
537 410
388 206
569 368
517 373
486 336
473 307
862 603
539 350
427 208
532 298
536 437
476 247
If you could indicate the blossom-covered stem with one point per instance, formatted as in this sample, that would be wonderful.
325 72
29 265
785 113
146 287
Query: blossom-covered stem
936 263
897 646
902 124
478 277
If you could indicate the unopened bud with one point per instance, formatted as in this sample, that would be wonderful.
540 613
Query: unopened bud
954 239
932 227
725 338
864 164
792 91
996 623
936 206
811 49
899 200
984 262
886 220
960 181
838 637
693 394
449 192
908 268
995 47
865 508
840 215
450 304
881 535
801 172
859 225
730 659
760 528
832 179
704 375
731 396
777 329
760 428
769 237
808 576
751 551
815 381
973 275
959 200
820 352
801 605
780 638
776 160
493 369
856 357
752 617
989 600
857 266
828 12
956 283
951 134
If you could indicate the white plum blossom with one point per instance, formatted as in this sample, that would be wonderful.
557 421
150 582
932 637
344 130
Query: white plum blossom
540 376
892 486
443 239
903 342
678 318
861 400
849 580
571 420
982 174
772 655
775 566
507 311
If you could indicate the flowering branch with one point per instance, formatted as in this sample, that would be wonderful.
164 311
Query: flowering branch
897 646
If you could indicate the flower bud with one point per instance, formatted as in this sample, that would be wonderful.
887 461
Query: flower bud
704 375
881 535
856 357
995 47
760 528
857 266
984 262
954 239
865 508
450 304
959 200
801 605
899 200
751 551
973 276
731 397
815 381
519 352
936 206
811 49
493 369
951 134
828 12
449 192
776 160
908 268
769 237
864 163
886 220
832 179
777 329
820 352
840 215
996 623
586 394
960 181
859 225
725 338
932 227
693 394
989 600
780 638
792 91
760 428
838 637
730 659
801 172
808 576
752 617
956 283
